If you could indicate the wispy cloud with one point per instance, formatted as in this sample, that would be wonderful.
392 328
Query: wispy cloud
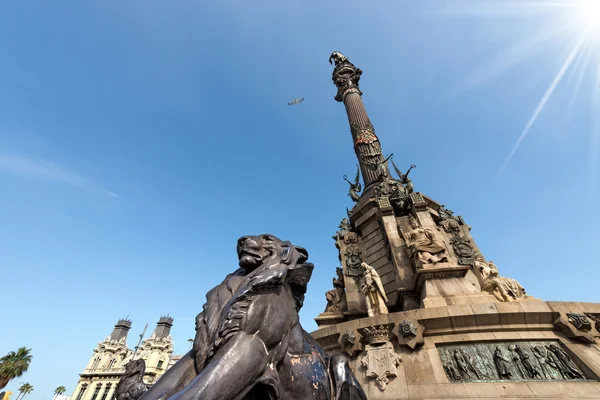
50 171
111 194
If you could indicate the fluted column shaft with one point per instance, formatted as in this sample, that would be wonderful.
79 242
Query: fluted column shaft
366 144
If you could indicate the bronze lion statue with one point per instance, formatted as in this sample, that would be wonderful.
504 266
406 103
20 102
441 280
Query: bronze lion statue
249 343
131 386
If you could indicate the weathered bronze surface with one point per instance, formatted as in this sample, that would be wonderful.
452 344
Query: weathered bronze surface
516 361
580 321
345 75
130 386
407 329
408 185
249 343
355 186
379 167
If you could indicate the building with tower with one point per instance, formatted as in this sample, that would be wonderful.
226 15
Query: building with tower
420 310
107 364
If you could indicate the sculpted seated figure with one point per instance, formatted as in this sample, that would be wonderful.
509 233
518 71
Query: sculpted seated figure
249 343
505 289
424 245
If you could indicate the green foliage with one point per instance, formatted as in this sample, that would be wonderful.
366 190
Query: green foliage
24 390
13 365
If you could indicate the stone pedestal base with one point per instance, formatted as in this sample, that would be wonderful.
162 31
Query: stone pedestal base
471 333
445 284
325 319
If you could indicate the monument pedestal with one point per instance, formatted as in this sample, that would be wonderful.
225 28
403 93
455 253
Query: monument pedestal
454 327
522 331
445 285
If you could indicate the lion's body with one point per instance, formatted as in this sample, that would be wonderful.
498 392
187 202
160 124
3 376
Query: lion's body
249 343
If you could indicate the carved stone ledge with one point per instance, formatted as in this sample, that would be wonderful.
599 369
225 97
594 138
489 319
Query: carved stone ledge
439 271
326 318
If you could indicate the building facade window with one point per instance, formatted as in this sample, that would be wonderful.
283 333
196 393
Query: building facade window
160 364
106 390
95 363
81 391
112 363
97 391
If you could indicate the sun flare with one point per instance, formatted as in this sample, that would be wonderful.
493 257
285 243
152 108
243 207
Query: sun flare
587 13
571 30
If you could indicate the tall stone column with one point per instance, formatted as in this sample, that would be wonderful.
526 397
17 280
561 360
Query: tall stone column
366 144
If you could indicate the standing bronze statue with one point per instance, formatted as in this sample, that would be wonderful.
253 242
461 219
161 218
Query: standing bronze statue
249 343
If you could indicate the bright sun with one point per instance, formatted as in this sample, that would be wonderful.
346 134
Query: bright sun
588 14
574 26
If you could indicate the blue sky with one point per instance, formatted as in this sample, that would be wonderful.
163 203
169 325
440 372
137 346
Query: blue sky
140 139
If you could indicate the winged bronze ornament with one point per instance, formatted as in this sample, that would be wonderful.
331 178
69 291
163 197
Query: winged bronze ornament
355 187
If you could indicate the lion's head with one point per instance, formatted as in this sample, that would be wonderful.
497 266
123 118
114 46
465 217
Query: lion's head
135 367
254 251
131 386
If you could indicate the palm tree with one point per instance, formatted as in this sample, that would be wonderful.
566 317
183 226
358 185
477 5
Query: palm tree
13 365
25 389
58 391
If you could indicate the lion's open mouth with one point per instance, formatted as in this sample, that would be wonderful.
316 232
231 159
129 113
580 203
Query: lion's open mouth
249 258
249 253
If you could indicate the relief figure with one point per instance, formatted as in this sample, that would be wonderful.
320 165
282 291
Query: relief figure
502 364
465 366
451 371
528 369
564 364
541 354
424 245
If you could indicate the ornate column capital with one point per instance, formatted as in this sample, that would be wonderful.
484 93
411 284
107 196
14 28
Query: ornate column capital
345 75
